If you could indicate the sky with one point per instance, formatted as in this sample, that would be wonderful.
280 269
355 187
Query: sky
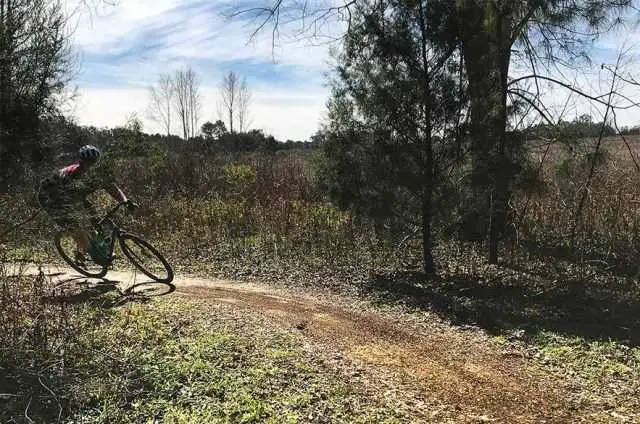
123 48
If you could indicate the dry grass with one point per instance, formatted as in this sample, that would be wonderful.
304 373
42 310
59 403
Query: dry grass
38 341
607 229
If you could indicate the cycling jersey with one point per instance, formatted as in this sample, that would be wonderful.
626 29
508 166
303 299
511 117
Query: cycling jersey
61 194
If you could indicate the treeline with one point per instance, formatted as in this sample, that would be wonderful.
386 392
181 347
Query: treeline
581 127
130 140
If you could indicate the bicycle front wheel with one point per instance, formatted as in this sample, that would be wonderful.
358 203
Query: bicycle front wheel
146 258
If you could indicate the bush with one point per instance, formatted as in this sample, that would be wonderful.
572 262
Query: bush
38 341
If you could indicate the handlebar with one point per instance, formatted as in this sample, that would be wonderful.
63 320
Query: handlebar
115 209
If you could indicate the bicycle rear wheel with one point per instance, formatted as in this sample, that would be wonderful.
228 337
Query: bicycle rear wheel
66 247
146 258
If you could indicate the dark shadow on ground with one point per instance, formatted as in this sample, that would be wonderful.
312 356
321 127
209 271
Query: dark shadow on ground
25 397
105 293
622 262
587 307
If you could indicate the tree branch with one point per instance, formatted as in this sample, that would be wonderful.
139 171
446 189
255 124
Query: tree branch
533 105
597 99
273 15
270 12
523 22
595 156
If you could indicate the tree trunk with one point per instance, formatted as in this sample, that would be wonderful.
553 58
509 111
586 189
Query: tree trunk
486 47
427 212
427 153
168 118
185 124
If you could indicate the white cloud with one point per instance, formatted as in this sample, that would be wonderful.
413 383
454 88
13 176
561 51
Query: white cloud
117 66
99 29
189 29
287 115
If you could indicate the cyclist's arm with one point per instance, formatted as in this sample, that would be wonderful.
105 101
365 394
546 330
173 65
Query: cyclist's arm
116 193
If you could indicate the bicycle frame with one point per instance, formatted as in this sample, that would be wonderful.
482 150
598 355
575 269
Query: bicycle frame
115 232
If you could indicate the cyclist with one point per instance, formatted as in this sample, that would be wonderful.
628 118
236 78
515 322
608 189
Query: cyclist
63 195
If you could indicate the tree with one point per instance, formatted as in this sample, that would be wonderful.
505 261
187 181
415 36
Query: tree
207 129
488 32
571 131
214 130
35 67
161 102
219 129
235 99
490 35
244 100
187 101
135 140
393 95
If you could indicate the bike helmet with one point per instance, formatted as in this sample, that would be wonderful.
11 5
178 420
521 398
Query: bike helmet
89 152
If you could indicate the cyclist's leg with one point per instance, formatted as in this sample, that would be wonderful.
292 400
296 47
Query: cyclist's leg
81 219
60 209
82 239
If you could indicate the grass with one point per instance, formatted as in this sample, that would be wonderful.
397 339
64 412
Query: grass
594 361
604 375
607 230
154 361
182 361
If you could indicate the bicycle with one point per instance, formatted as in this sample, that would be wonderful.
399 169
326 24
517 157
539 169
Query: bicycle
98 267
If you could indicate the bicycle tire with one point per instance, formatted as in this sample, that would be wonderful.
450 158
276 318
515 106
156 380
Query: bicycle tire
135 260
72 263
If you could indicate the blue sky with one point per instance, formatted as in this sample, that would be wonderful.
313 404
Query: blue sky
122 49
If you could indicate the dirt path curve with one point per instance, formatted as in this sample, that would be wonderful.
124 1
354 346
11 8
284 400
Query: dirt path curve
453 376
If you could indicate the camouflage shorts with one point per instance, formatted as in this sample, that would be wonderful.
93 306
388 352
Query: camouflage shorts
68 215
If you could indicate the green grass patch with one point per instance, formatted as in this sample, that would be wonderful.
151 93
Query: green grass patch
604 375
593 360
156 362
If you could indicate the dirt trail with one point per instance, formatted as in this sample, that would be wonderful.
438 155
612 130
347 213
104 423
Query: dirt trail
454 377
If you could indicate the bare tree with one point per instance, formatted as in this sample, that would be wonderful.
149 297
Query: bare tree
194 102
234 101
229 96
187 101
181 103
161 102
244 99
